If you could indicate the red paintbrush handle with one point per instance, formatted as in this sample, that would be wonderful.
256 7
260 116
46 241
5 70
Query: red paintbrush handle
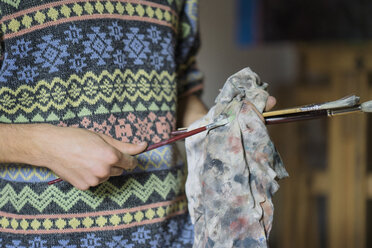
175 138
55 181
178 132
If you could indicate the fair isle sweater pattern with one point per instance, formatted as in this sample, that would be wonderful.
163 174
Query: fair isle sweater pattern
114 67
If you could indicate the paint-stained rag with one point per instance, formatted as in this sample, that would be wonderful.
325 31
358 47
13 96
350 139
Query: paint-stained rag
232 169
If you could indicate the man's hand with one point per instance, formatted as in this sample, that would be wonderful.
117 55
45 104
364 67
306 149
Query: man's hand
79 156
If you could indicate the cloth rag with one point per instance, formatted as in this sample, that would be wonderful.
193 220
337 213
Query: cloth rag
232 169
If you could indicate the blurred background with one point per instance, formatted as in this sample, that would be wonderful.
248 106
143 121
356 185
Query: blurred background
308 51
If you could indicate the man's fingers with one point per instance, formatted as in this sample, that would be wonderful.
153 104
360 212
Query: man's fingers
131 149
127 162
270 103
124 158
116 171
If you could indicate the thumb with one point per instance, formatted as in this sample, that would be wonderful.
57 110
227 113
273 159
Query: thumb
270 103
127 148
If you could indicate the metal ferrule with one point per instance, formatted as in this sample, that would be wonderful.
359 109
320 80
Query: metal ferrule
344 111
310 108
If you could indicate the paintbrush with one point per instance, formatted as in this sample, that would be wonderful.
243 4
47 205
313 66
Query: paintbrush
343 106
365 107
344 102
220 122
186 133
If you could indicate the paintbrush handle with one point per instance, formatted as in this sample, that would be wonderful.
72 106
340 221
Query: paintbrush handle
178 131
296 117
281 112
181 136
55 181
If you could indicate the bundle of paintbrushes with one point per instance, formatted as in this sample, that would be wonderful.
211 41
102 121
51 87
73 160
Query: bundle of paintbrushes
343 106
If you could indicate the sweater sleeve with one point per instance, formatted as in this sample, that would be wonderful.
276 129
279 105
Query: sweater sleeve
190 79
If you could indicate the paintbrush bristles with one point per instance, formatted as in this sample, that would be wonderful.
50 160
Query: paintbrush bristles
347 101
218 123
367 107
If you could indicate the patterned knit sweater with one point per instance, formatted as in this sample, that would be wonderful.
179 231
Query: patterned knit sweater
110 66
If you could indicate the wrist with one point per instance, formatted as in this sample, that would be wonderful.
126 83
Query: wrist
19 143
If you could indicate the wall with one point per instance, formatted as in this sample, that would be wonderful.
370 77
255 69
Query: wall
220 56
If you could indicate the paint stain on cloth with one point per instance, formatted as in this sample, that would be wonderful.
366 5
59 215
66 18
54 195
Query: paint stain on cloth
232 170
